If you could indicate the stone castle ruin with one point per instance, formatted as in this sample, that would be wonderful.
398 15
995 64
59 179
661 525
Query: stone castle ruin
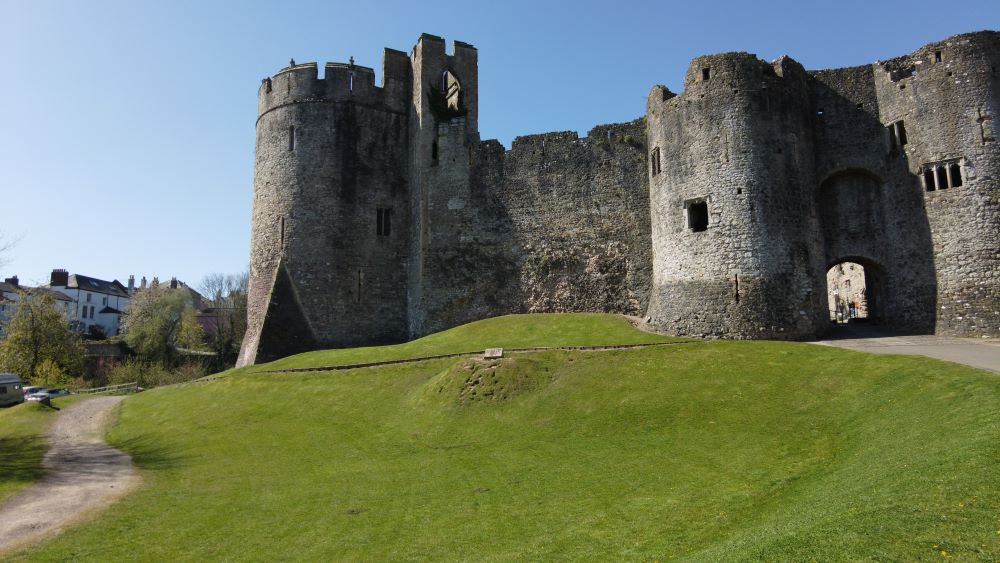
379 215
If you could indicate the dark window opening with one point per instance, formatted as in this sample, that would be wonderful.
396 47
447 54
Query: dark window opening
942 178
654 161
901 132
434 152
929 179
892 138
282 230
383 221
360 278
706 73
291 138
697 216
955 174
937 56
736 284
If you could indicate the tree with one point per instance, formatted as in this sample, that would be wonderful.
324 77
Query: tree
6 245
36 334
227 296
154 323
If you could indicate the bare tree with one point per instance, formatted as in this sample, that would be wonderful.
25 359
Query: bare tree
227 295
6 245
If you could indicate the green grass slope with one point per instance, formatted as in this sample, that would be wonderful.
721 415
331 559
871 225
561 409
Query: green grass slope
703 451
511 331
22 443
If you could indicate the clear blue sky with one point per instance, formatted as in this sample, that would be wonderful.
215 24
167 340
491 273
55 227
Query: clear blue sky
126 143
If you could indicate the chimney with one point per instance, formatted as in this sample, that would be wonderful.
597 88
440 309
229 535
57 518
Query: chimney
12 281
143 283
60 278
131 284
173 283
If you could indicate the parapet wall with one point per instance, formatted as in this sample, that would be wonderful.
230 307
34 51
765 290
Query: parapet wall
579 214
341 82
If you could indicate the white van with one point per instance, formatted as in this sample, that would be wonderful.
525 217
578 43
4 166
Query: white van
10 390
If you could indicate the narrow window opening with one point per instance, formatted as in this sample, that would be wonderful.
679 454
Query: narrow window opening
654 160
282 231
291 138
697 216
706 73
929 179
359 287
351 83
937 56
956 174
892 138
736 283
942 178
901 133
383 221
434 153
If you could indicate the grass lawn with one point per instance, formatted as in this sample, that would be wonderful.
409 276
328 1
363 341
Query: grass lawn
22 443
511 331
705 451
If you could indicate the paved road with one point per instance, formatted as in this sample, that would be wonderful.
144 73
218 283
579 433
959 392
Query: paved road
979 353
84 474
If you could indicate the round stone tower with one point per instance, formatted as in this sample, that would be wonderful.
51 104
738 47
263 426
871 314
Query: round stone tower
737 250
941 104
330 209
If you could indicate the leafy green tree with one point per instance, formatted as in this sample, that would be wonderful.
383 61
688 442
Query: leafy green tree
190 335
36 333
154 324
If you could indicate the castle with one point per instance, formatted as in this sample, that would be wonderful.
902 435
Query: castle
379 215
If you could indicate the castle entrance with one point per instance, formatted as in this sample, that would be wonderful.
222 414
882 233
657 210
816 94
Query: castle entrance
854 290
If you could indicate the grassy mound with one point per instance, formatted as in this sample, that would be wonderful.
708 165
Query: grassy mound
708 451
511 331
476 380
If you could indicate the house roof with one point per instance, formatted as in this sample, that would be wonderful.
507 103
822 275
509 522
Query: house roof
87 283
110 310
46 291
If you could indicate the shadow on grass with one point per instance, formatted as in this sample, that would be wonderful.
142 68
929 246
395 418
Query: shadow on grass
148 454
21 458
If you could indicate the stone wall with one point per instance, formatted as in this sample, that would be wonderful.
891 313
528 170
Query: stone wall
579 217
947 94
736 250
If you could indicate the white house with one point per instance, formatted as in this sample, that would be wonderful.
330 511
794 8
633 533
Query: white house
95 302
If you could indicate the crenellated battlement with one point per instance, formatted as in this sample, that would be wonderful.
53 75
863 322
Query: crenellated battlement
341 82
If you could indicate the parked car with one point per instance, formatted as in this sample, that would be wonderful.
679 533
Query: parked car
10 390
47 394
33 389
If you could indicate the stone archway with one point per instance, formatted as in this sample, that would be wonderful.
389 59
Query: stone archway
856 291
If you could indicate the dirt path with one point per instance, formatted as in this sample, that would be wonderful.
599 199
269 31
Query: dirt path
85 475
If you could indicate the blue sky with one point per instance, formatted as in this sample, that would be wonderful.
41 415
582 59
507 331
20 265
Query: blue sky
128 127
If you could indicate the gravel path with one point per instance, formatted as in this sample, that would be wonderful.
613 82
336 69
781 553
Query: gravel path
84 475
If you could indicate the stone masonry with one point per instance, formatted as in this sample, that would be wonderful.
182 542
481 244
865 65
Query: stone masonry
379 215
